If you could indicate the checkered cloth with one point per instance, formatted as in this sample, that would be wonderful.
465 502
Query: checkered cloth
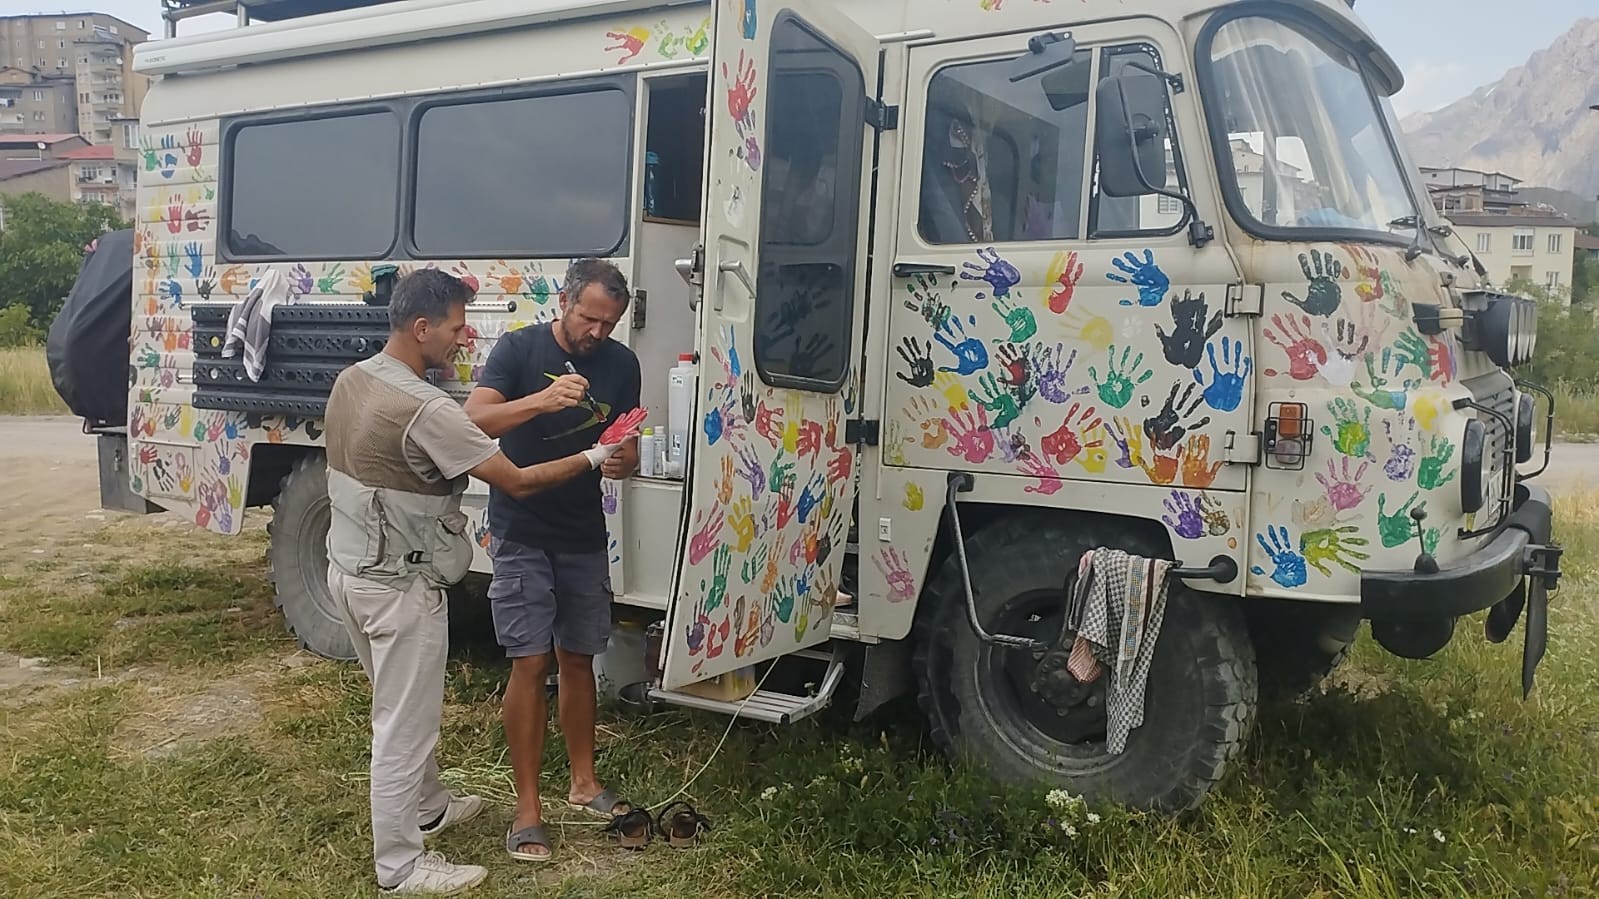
1116 611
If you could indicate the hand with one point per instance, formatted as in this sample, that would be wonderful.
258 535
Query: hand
564 392
623 462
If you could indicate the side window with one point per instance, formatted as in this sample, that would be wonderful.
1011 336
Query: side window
539 176
1151 213
277 200
1003 160
810 197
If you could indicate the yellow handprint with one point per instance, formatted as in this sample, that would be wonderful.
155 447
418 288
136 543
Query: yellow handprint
1094 330
742 520
953 389
915 499
793 414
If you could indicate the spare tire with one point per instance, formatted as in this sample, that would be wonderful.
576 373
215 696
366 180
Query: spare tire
1199 703
301 516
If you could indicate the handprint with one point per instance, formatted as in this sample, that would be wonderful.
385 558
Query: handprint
971 356
740 90
1094 330
1353 434
1185 345
953 389
754 564
1198 470
1368 273
840 465
919 357
172 292
194 262
1117 388
926 301
781 472
1379 394
1401 462
973 440
721 564
997 400
709 524
1067 441
1226 390
794 412
207 284
299 280
811 497
1017 367
1289 565
1000 275
1441 355
1151 282
1410 349
1323 293
1395 529
724 484
1166 427
1021 321
810 438
1064 273
929 417
1188 524
234 279
741 518
195 152
1052 365
610 500
1430 472
896 572
1344 491
196 219
1124 436
1334 545
769 423
331 277
174 218
1306 357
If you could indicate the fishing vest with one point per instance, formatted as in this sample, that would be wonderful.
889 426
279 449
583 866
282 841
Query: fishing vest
389 523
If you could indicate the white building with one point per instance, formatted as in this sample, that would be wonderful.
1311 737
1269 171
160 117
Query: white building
1537 246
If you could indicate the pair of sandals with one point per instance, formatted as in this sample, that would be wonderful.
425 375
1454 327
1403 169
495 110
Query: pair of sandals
606 803
679 824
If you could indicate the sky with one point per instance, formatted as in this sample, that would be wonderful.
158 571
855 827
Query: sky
1446 48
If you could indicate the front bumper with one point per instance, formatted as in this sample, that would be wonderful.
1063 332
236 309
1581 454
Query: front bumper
1477 582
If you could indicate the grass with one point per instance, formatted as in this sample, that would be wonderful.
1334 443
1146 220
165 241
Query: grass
1577 412
25 387
1410 779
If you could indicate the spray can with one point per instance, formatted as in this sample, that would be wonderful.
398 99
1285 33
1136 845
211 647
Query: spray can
646 453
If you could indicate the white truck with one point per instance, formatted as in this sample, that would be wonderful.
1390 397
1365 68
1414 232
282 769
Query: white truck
972 286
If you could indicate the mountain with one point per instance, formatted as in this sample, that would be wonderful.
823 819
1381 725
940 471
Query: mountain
1533 124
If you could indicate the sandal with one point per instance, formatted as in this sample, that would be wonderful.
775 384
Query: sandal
532 834
607 804
683 828
631 829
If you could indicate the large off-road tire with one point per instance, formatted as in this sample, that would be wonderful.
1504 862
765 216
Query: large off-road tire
1297 644
1199 705
301 514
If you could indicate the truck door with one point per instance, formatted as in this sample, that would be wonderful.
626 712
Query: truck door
783 273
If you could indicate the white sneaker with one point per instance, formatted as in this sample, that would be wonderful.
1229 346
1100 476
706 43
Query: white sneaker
460 810
432 875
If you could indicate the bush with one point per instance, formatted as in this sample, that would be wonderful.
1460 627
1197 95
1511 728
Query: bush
16 329
41 250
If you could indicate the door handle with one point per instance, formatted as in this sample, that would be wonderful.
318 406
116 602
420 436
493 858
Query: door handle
906 269
739 270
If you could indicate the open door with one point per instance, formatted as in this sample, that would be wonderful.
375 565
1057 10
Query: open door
773 478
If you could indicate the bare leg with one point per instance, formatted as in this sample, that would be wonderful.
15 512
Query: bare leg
576 700
526 715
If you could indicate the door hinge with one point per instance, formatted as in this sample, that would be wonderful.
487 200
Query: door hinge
1246 299
862 431
1243 449
882 116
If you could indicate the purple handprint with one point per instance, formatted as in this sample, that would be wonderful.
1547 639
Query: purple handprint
1190 522
300 280
609 498
1401 464
999 274
1052 366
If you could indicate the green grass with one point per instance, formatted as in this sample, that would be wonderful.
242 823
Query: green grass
25 387
1577 412
1405 779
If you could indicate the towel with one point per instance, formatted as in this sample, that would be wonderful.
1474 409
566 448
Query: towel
250 322
1116 611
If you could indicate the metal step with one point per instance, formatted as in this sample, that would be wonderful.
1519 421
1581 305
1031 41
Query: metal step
763 705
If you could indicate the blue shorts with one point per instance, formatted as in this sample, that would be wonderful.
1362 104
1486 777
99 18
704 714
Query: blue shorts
541 599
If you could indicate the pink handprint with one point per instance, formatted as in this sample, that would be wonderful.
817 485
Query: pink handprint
705 539
1344 491
973 440
630 42
896 571
1049 482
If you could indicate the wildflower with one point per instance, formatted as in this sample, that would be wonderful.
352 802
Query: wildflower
1093 818
1068 830
1410 830
1438 835
768 794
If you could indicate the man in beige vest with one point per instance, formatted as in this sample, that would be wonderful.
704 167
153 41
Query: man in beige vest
399 451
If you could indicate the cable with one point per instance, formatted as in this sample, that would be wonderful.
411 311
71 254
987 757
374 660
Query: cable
719 744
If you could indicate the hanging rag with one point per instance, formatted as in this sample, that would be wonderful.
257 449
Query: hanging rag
1115 611
250 322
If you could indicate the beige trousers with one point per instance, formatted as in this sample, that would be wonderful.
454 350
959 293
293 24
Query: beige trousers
401 636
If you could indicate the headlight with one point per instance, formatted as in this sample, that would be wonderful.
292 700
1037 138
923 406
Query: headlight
1526 413
1473 466
1507 330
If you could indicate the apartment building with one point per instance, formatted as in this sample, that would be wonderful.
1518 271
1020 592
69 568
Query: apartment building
92 53
1533 244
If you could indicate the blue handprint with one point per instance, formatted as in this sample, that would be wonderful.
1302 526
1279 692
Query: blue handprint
999 274
970 354
811 497
1151 282
169 159
749 20
1226 390
1290 565
194 265
173 292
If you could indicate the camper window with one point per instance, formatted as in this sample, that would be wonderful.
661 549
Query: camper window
282 178
543 176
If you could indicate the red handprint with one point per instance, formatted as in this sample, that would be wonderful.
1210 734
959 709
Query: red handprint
196 141
196 220
895 569
843 462
973 440
769 423
630 42
175 215
810 438
785 503
1067 443
741 92
1306 356
1060 293
1441 353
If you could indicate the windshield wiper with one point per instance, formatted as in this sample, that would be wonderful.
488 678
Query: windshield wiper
1406 221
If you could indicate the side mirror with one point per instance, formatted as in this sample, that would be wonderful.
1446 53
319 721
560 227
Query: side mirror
1045 53
1131 134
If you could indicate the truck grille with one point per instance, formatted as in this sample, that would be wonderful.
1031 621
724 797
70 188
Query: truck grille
1497 393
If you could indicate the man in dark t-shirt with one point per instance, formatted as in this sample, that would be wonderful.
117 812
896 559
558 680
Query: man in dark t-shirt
547 389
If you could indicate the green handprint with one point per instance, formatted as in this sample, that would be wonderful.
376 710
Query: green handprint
1380 394
1430 472
781 472
754 564
1395 529
998 400
329 282
1336 546
1412 350
721 563
1353 437
1023 325
1117 388
783 601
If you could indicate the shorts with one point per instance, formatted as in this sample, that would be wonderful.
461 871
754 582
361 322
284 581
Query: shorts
541 599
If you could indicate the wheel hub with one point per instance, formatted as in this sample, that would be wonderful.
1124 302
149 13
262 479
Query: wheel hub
1060 707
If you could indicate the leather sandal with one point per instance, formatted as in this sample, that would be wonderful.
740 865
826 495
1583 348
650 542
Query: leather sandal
631 829
682 828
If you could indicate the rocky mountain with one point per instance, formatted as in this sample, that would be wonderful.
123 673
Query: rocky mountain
1534 124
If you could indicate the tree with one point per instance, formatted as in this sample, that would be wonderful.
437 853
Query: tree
41 250
1584 278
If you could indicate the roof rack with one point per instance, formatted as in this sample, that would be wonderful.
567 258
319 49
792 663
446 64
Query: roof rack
247 11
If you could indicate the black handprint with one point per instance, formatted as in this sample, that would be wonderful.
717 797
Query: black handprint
1165 429
805 358
1185 345
1323 294
920 359
746 395
207 284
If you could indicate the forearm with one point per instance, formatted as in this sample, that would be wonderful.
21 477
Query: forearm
534 478
497 419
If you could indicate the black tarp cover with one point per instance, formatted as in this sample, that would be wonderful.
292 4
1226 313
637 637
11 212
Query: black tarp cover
87 347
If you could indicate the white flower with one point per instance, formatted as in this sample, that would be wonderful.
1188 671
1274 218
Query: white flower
768 794
1438 835
1069 830
1060 799
1410 830
1093 818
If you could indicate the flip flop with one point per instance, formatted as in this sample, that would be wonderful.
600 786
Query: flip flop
607 804
534 834
683 828
631 829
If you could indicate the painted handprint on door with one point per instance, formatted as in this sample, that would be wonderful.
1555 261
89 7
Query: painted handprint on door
1144 274
1185 345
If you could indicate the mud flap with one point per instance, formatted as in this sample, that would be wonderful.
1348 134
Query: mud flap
1543 570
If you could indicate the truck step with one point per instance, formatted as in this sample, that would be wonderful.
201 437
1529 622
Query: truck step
763 705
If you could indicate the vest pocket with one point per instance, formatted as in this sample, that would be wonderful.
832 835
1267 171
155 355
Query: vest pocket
452 548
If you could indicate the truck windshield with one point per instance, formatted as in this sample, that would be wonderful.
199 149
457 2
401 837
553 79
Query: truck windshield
1306 137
